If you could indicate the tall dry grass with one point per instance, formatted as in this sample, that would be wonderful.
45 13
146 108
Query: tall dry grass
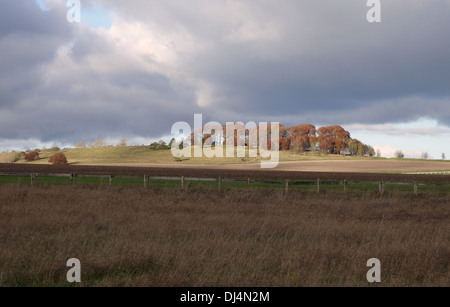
151 237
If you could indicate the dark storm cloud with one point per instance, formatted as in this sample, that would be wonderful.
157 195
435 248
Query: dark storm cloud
49 91
289 61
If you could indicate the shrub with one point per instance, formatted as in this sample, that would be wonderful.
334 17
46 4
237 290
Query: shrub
32 156
58 159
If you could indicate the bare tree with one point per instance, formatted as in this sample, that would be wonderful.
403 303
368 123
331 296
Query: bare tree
425 155
378 153
399 154
98 143
80 144
443 156
123 142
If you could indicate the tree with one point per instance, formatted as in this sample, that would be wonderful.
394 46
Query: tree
399 154
335 131
285 143
327 144
123 142
443 156
361 149
80 144
313 140
302 130
171 142
340 146
352 145
301 144
160 145
58 159
425 155
98 143
32 156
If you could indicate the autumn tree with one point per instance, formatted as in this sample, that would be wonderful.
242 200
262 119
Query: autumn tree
302 130
301 144
340 146
285 143
334 139
32 156
58 159
300 137
327 144
313 141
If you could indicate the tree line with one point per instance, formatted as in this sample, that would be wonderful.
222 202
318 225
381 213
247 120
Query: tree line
301 138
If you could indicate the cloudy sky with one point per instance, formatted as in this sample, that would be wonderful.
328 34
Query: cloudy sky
134 68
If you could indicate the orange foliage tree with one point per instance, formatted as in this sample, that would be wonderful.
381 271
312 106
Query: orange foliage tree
58 159
32 156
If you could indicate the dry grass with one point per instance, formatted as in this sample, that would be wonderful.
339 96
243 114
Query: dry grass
139 237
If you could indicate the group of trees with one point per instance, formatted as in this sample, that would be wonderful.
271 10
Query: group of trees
56 159
161 145
99 143
301 138
329 139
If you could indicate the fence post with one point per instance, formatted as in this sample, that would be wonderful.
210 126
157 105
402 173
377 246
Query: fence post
318 185
182 182
220 182
381 188
345 185
110 180
248 183
32 178
145 181
416 188
286 189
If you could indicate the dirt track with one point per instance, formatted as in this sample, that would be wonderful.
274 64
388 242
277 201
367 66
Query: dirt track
351 170
354 166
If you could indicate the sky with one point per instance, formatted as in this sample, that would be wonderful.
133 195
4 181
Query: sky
134 68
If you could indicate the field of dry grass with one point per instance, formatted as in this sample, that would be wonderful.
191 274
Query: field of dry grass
200 237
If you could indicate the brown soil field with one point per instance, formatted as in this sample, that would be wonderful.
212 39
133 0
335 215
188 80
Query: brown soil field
354 166
352 170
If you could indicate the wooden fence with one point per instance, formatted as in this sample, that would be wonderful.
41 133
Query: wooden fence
317 183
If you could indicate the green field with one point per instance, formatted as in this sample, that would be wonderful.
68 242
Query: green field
211 183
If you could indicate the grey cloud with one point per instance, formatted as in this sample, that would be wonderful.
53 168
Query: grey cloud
289 61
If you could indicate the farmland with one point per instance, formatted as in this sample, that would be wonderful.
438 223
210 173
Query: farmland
128 234
132 236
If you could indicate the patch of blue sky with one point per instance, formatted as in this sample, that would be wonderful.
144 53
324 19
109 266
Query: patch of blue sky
42 5
97 18
93 16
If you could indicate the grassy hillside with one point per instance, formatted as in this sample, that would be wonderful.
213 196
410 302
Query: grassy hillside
143 154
